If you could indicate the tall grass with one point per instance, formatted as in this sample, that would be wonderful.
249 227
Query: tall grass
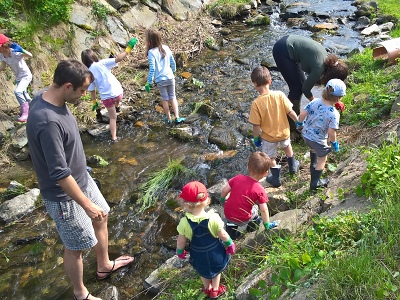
157 184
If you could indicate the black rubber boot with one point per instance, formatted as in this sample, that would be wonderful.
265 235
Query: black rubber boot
233 231
313 160
274 176
316 181
254 224
293 164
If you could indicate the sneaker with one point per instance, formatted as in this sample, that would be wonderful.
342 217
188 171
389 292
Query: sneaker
180 120
166 120
214 294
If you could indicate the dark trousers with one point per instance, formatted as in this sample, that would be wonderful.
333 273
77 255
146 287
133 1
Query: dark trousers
291 72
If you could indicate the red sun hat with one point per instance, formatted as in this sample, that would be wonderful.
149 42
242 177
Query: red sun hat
191 190
3 39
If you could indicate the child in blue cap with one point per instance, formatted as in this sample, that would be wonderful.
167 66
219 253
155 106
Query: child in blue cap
318 123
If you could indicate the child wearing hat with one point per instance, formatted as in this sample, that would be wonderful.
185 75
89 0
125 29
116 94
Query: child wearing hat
13 55
210 245
318 123
247 197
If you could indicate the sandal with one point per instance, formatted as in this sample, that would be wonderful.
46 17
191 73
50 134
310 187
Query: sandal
113 269
180 120
87 297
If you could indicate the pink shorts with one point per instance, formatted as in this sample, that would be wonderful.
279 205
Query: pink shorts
110 102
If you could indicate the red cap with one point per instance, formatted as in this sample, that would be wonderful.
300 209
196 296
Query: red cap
191 190
3 39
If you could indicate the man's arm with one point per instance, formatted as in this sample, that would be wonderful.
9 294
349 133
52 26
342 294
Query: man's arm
69 185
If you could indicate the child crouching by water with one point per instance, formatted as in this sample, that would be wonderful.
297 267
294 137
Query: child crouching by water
207 236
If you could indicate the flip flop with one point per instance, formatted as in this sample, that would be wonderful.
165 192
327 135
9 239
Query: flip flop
87 297
108 273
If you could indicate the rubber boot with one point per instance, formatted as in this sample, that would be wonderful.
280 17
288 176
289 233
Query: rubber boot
233 231
316 181
24 112
313 160
293 164
253 224
274 176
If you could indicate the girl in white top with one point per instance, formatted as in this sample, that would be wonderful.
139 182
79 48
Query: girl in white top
13 55
107 84
161 68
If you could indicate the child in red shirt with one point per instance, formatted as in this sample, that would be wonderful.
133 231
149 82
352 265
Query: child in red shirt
247 197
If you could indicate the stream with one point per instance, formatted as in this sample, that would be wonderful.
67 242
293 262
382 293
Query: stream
35 270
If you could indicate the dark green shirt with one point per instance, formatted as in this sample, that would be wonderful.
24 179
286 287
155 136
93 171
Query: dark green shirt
311 56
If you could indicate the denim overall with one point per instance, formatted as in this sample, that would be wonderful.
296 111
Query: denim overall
207 253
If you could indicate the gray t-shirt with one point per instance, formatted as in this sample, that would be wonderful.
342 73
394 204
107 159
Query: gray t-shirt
55 147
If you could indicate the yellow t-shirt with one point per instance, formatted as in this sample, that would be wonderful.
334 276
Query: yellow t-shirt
270 111
215 224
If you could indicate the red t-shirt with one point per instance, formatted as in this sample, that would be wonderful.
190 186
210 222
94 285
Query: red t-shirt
245 192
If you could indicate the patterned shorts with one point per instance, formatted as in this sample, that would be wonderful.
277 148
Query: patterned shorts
73 224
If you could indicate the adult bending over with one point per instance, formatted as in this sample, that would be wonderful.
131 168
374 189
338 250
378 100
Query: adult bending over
70 195
296 55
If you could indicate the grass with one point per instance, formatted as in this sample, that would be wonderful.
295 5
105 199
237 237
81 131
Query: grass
157 184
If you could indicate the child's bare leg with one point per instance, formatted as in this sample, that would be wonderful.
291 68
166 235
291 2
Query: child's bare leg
321 163
174 103
206 283
273 162
215 282
113 122
165 105
288 151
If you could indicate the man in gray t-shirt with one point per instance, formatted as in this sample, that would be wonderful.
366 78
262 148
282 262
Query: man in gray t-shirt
70 195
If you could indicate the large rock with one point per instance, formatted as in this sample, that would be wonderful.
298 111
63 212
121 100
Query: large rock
6 125
19 206
139 15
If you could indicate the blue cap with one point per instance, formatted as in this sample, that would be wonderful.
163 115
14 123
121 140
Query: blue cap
338 87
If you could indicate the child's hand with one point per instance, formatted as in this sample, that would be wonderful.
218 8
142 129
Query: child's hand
231 249
270 225
257 141
340 106
131 44
95 105
299 126
182 255
335 146
147 87
16 48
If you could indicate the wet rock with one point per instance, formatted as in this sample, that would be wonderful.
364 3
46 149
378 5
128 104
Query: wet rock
117 30
366 9
99 129
18 206
184 134
225 31
109 292
244 10
362 23
242 61
21 155
96 160
214 192
228 11
258 20
139 15
6 125
325 26
224 138
295 22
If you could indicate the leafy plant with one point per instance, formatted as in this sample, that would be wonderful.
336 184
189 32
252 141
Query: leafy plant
100 10
157 184
382 174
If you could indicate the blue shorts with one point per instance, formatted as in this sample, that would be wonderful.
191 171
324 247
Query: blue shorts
73 224
167 89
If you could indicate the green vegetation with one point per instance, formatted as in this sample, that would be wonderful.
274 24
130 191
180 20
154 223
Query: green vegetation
371 90
157 184
99 10
24 18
